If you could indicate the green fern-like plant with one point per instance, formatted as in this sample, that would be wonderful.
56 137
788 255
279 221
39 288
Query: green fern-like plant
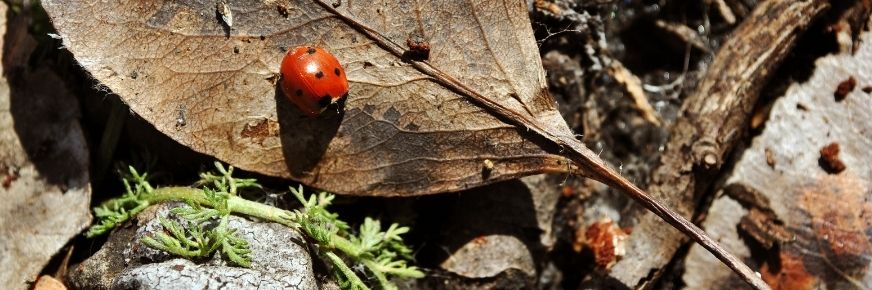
380 254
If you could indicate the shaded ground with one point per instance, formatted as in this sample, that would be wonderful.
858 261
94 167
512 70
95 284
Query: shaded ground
667 45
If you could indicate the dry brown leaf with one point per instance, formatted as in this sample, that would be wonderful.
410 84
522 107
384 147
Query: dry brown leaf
402 132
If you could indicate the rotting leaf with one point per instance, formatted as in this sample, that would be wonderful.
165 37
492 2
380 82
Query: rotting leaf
401 132
605 239
839 216
790 273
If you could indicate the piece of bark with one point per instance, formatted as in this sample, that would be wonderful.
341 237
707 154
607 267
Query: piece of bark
712 121
45 186
828 214
765 228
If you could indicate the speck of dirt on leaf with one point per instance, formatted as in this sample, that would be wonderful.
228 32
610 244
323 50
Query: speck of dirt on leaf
829 159
181 118
337 3
419 48
487 167
367 64
274 79
262 129
283 11
845 88
867 89
236 50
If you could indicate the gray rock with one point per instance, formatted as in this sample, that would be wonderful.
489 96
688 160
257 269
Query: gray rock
184 274
279 256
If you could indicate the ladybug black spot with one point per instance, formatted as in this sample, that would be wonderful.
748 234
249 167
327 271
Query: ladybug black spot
324 101
299 93
310 50
336 71
319 74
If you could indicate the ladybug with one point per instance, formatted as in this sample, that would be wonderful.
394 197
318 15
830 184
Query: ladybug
313 79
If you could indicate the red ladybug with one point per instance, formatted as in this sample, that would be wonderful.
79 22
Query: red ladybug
313 79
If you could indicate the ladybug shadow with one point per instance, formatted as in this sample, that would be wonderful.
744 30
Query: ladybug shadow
305 139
